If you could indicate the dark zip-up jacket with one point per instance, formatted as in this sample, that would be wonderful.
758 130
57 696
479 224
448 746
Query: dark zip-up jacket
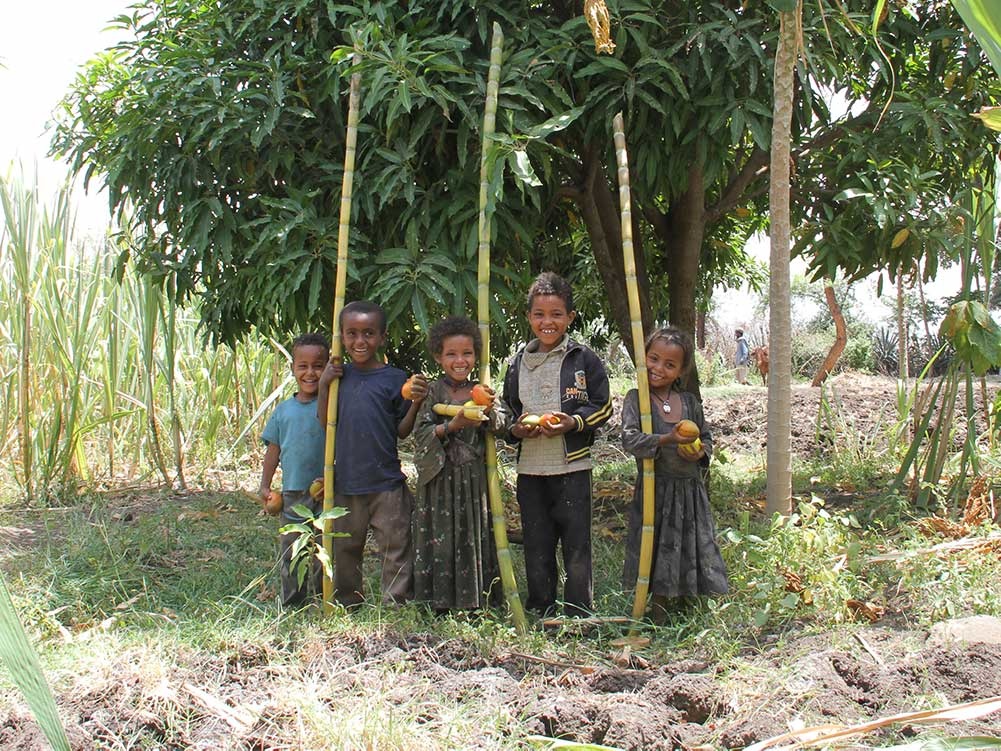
584 395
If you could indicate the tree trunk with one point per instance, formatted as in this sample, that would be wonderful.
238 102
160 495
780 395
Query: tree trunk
902 365
687 221
601 217
700 329
779 457
840 336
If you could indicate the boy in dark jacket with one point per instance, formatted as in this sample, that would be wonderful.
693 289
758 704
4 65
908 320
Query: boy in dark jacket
557 392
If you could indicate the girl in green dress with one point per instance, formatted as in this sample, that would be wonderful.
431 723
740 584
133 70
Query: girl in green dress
455 560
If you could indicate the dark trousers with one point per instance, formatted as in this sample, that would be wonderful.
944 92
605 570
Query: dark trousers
294 593
557 509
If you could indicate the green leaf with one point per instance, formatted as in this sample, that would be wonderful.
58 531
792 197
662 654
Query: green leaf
989 116
554 124
522 168
20 659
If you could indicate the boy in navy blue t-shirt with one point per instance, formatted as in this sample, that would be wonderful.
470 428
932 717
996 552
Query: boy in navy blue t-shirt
371 416
295 441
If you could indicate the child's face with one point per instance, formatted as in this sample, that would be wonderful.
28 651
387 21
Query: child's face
549 318
665 363
308 362
457 357
362 336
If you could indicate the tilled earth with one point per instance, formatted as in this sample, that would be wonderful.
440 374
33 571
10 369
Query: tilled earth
251 697
254 698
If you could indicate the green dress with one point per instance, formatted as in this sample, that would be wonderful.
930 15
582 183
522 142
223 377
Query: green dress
455 557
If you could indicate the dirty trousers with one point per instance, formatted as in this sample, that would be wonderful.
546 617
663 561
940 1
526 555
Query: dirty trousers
388 514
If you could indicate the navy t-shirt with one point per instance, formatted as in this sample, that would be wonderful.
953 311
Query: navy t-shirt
369 410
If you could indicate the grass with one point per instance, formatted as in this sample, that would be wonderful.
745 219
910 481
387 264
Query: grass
133 597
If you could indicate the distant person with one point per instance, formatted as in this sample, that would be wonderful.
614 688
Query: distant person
686 559
743 357
557 392
371 416
294 439
455 558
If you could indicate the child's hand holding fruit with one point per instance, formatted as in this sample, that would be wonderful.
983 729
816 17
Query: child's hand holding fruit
550 424
416 388
686 437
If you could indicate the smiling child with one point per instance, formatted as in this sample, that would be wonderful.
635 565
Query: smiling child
556 389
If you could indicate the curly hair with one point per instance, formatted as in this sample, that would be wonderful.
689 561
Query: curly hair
312 339
454 326
548 283
363 307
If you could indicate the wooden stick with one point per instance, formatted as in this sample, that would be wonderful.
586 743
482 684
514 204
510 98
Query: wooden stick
343 235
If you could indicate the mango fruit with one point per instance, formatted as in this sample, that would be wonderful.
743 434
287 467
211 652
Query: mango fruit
407 391
481 396
274 503
316 490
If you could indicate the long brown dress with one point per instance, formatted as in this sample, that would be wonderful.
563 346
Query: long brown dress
686 559
455 558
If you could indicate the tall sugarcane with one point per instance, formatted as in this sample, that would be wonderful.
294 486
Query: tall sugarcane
642 384
483 315
343 235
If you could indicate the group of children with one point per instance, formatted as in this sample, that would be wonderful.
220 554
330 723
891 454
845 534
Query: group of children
437 546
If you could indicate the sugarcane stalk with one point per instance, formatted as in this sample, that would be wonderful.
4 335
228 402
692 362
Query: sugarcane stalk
508 581
639 351
336 346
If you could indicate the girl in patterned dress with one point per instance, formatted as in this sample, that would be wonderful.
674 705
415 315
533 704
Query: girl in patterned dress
455 559
686 559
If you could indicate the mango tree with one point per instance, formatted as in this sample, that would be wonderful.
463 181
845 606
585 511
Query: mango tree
218 131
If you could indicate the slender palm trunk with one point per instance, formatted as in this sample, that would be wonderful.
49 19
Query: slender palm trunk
336 347
779 483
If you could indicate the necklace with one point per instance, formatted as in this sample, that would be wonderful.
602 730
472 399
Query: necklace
665 404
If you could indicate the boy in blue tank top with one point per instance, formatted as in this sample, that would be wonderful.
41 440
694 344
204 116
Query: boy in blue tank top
372 416
295 441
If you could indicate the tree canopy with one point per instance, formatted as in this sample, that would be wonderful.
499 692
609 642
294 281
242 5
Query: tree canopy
219 132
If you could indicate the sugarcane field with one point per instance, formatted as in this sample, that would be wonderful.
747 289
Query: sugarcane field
588 374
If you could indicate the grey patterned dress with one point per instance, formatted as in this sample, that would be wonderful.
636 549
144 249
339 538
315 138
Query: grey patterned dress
686 559
455 558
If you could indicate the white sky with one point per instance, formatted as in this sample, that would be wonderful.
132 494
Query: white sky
42 44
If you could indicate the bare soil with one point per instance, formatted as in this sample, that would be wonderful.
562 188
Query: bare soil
245 698
250 700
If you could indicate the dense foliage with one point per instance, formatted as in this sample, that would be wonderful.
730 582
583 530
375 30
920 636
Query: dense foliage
219 132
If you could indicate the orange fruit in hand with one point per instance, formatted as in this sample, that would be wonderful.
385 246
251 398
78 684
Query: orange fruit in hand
550 420
408 389
274 503
688 429
530 420
481 396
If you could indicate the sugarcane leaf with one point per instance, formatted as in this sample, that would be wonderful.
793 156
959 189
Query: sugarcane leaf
22 663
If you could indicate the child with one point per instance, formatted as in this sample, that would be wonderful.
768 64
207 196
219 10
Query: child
563 381
371 416
455 559
294 439
686 560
